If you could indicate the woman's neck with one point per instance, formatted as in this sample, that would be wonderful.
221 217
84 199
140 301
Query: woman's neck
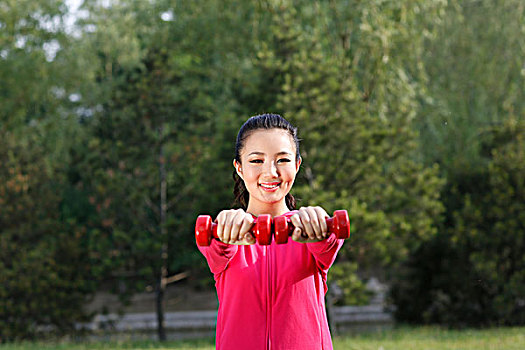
274 209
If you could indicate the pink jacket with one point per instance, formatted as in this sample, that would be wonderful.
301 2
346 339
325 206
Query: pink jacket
272 297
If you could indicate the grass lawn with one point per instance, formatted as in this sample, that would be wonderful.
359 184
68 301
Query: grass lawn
403 338
432 338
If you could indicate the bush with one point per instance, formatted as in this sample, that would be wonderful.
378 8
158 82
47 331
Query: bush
351 289
473 273
45 275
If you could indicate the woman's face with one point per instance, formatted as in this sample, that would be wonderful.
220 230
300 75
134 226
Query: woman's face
268 166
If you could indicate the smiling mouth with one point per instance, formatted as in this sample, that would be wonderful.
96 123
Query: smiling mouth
270 186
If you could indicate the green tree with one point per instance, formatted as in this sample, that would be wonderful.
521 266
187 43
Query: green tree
35 74
45 271
161 106
470 125
40 241
492 224
355 109
473 73
472 273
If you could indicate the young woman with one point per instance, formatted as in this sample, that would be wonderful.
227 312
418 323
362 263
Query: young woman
270 297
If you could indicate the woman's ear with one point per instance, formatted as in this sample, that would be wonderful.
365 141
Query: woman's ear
238 168
298 164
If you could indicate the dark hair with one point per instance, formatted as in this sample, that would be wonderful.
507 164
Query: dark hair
263 121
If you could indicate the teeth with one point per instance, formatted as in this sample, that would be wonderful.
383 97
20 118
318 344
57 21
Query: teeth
269 186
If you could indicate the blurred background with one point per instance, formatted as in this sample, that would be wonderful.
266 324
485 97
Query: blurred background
117 127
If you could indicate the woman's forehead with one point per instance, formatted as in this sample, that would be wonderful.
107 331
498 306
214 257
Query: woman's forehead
271 141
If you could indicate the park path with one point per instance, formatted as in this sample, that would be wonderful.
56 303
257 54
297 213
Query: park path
193 314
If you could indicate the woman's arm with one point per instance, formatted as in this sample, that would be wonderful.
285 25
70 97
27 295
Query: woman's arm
325 251
311 228
233 228
218 255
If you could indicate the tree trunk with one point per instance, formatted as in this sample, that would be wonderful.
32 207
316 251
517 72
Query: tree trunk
160 311
161 285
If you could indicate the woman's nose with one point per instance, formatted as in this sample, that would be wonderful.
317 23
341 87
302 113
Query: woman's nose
271 169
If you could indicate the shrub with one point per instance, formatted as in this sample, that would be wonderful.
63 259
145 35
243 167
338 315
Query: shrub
473 272
45 275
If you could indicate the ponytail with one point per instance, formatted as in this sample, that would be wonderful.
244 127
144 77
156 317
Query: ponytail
240 193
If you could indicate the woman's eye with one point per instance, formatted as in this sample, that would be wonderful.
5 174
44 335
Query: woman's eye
256 161
284 160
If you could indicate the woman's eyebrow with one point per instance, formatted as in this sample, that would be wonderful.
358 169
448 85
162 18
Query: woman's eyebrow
284 153
262 153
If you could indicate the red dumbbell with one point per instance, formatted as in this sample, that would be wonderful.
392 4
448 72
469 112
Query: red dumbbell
338 224
205 230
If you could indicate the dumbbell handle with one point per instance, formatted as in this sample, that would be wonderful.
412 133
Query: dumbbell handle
205 230
329 225
338 224
214 230
214 226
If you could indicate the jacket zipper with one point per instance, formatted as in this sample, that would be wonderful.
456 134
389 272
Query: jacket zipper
269 299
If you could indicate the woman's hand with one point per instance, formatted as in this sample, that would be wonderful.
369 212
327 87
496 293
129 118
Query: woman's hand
233 227
310 225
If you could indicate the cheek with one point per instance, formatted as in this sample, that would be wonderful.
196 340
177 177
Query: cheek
250 175
289 174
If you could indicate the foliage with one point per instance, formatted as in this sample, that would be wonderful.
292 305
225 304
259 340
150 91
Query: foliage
474 77
161 101
471 127
46 276
353 290
36 78
473 273
141 100
359 145
45 273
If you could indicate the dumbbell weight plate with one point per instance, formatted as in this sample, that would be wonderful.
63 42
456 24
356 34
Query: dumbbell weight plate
280 224
203 231
341 224
263 229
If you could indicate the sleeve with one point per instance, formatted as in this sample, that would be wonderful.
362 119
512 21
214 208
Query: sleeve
325 251
218 255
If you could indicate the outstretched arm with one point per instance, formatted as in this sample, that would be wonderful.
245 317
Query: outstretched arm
233 228
311 228
218 255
